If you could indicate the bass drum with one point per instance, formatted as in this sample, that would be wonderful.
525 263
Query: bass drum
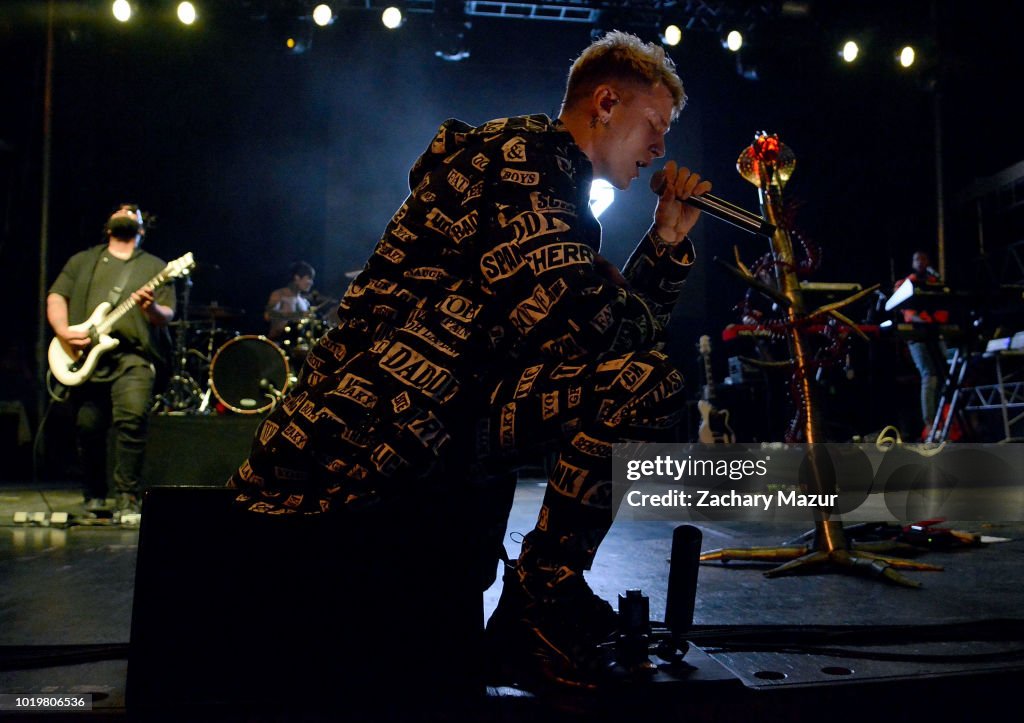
249 374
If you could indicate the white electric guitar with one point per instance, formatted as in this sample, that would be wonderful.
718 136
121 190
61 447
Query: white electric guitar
714 423
72 367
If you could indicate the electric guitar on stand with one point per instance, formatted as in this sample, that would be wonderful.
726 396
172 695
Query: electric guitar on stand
714 423
71 367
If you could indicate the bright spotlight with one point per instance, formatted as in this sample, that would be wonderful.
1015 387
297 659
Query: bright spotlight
850 51
734 40
392 18
602 194
672 35
122 10
323 15
186 13
907 56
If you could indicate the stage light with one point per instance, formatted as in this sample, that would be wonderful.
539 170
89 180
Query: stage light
122 10
187 13
907 56
293 28
392 18
850 51
733 41
602 194
672 35
323 15
298 43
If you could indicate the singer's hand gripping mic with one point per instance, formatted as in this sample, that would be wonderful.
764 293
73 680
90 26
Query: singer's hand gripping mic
720 209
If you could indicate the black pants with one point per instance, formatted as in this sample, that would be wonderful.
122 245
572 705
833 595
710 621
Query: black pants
123 402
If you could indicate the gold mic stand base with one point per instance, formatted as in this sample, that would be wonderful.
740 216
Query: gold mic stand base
861 558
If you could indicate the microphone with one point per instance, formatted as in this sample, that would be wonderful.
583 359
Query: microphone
720 209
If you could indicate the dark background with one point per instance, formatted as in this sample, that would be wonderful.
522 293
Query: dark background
252 157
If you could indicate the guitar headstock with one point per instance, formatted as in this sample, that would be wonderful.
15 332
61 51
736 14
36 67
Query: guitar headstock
704 345
180 266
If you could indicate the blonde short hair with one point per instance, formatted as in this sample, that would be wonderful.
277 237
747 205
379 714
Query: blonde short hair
623 57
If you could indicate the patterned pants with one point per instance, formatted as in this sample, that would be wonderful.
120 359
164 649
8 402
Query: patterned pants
320 450
578 412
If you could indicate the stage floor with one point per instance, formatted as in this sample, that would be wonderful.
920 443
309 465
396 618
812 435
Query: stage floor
66 605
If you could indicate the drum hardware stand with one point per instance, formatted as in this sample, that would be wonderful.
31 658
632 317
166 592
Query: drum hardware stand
948 406
207 359
954 399
182 391
272 392
768 164
204 401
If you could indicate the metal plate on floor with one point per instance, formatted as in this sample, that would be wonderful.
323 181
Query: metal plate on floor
767 670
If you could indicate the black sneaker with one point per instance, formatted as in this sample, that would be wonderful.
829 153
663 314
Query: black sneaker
562 634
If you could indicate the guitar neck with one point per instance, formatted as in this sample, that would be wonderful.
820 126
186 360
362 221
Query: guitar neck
128 304
709 384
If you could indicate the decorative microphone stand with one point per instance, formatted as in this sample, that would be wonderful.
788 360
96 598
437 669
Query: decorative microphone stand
768 164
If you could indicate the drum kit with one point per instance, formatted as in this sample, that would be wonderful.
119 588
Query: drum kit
216 367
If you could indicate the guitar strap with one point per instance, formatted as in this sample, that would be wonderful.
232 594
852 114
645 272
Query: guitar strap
80 293
118 289
117 295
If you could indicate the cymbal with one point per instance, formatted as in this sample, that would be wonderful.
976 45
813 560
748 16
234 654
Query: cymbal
213 311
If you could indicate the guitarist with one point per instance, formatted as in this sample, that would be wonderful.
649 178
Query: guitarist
120 389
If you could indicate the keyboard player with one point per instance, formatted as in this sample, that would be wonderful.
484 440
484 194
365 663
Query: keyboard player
927 347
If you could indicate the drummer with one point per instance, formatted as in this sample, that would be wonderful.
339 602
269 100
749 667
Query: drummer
290 302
